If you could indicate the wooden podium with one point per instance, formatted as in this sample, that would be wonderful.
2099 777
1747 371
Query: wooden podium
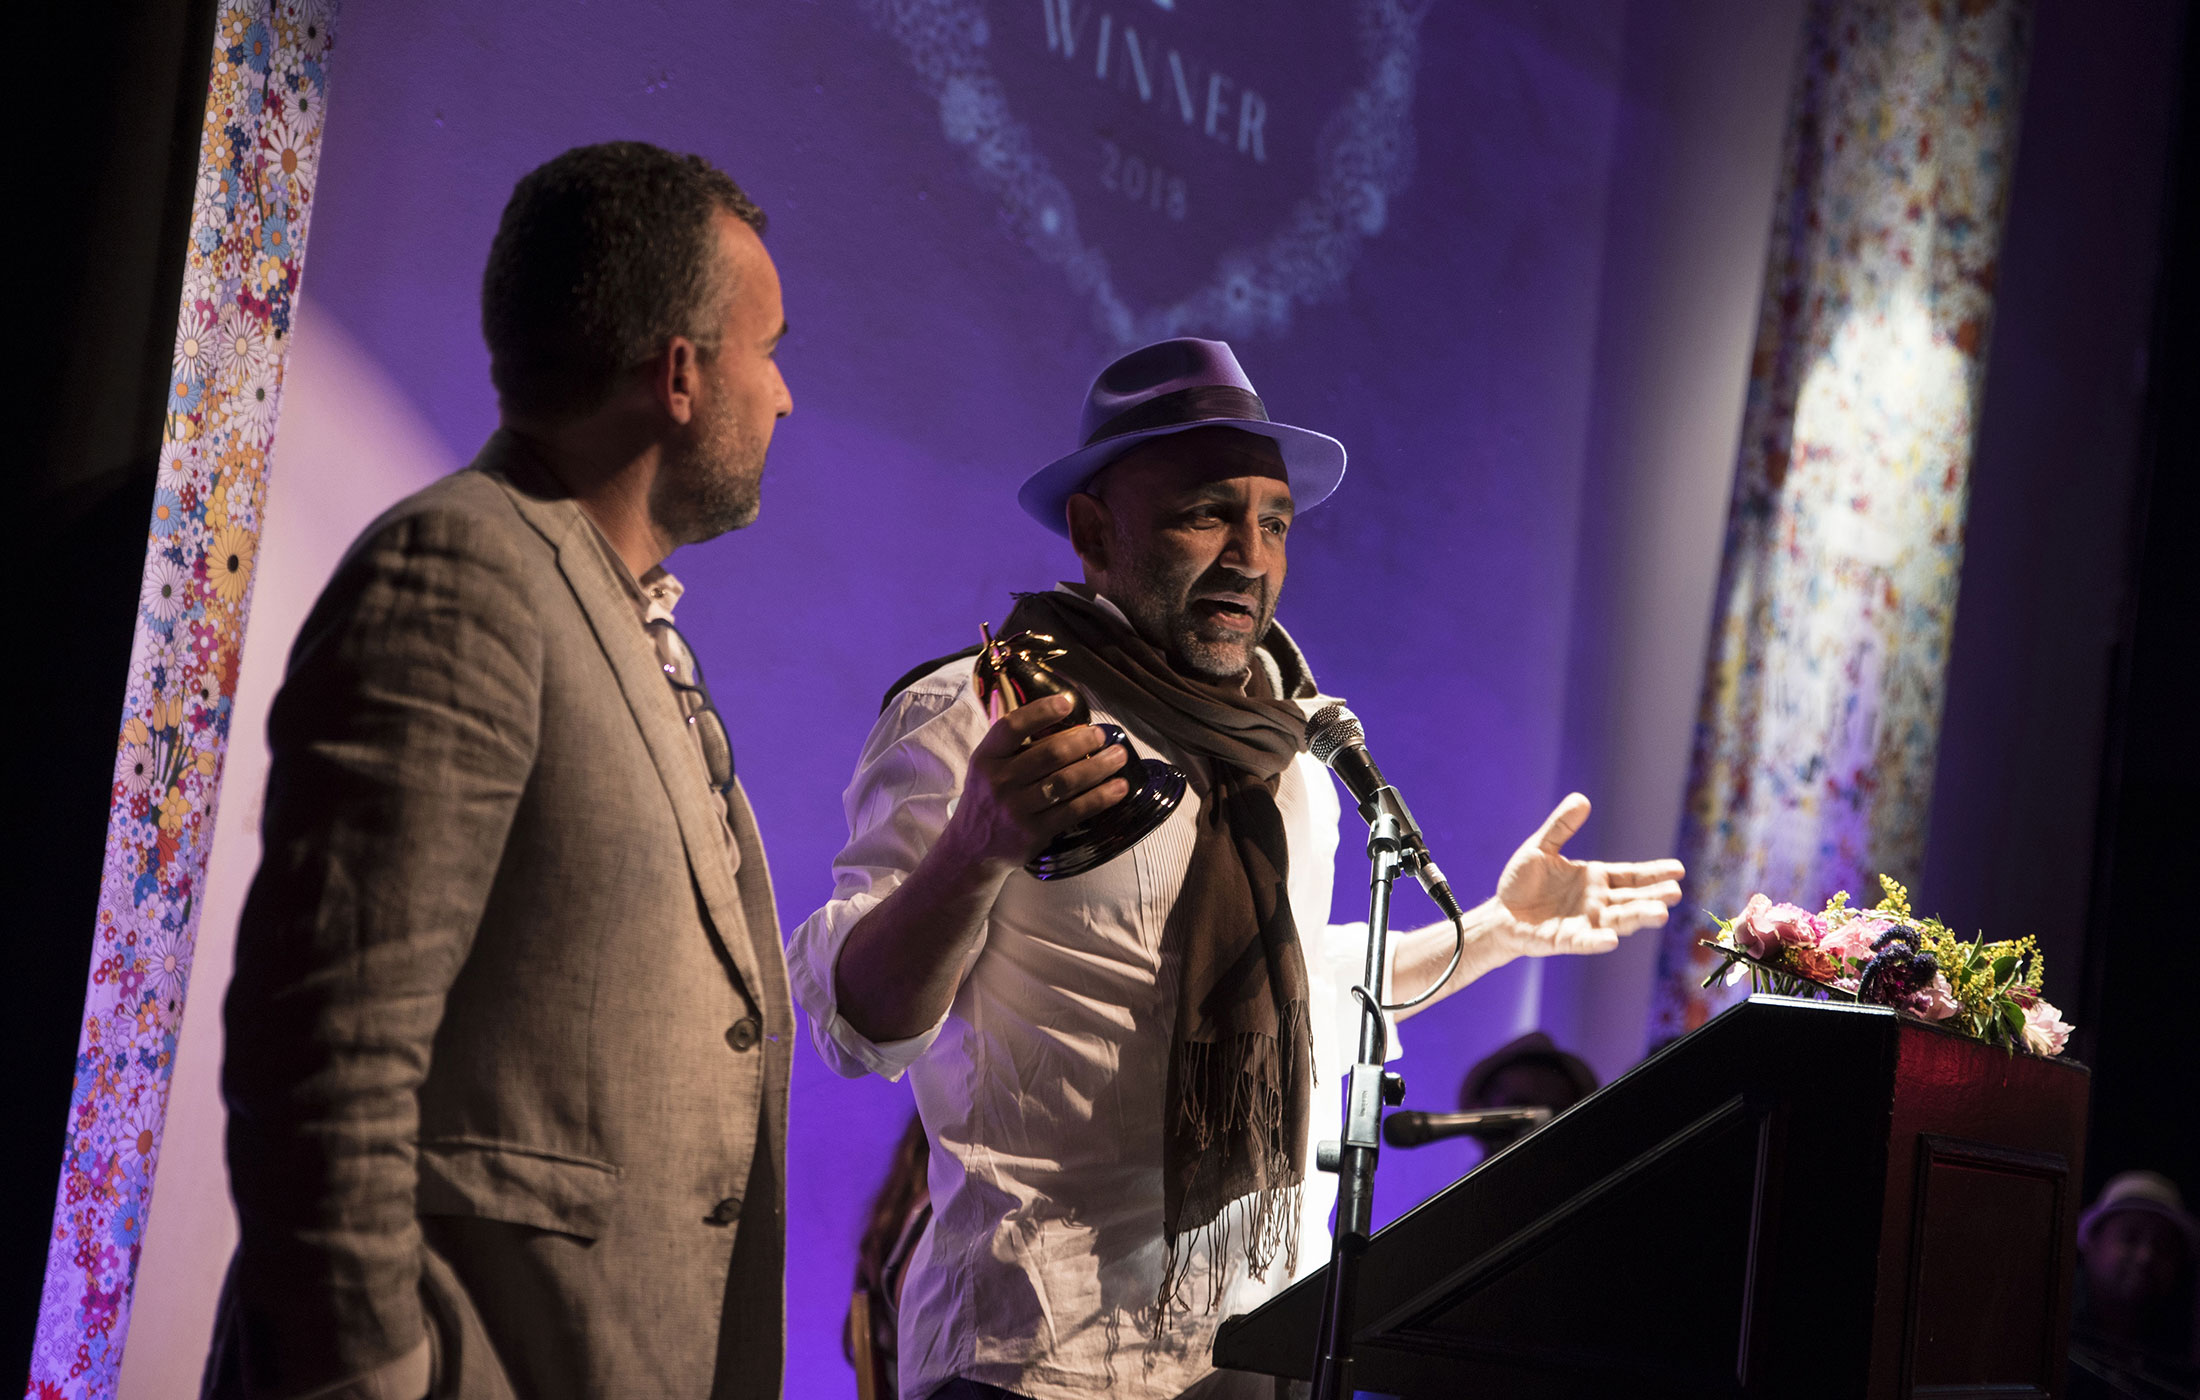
1800 1199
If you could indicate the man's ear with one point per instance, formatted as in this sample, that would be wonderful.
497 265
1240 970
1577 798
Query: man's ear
1091 528
675 376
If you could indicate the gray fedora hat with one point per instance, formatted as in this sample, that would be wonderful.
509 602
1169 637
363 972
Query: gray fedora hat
1173 386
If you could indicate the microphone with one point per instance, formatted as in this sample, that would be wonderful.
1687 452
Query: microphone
1412 1129
1335 737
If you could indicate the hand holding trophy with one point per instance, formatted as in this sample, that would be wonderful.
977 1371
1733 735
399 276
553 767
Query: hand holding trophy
1011 673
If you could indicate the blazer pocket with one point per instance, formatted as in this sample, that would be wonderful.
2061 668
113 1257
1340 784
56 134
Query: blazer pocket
519 1185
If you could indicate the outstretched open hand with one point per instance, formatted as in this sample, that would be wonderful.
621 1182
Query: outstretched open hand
1559 905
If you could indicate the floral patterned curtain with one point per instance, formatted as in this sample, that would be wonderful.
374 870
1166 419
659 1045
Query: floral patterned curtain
259 147
1813 757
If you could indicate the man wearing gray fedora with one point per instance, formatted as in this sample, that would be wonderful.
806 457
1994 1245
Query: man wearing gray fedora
1122 1073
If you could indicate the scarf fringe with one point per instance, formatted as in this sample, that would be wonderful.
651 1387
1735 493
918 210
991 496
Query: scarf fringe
1267 1223
1253 1089
1249 1072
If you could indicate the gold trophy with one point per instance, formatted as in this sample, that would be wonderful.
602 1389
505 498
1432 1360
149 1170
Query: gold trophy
1012 672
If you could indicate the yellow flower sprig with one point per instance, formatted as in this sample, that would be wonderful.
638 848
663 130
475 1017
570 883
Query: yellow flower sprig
1895 899
1991 982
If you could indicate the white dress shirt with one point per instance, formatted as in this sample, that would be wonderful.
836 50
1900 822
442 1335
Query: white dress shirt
1042 1089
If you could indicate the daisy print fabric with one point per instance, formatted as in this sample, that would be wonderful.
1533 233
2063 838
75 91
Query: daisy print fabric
259 147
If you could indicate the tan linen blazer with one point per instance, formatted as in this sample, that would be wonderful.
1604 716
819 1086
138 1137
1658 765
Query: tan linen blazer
508 1040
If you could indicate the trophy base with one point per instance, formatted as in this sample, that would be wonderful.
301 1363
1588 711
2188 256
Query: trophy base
1156 790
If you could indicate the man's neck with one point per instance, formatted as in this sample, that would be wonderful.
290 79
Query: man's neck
608 475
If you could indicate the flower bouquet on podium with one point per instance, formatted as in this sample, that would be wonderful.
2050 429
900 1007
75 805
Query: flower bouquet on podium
1888 956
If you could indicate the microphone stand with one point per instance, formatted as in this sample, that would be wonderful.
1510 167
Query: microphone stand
1368 1088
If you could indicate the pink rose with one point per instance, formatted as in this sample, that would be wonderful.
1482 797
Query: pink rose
2045 1031
1851 942
1797 928
1753 930
1765 927
1935 1003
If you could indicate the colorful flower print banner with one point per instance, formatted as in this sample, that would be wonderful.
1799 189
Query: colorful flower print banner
1814 745
258 150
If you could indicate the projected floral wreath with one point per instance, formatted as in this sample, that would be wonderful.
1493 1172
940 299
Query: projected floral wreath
1364 160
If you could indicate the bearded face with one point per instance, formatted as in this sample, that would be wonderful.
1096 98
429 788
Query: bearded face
1186 535
711 477
1207 620
712 481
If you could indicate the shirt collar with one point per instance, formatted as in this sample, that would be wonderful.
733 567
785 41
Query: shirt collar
661 593
1092 595
654 594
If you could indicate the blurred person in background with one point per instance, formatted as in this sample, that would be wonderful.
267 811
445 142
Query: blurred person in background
2132 1327
1527 1072
899 1211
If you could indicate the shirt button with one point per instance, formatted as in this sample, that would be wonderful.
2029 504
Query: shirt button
744 1033
726 1212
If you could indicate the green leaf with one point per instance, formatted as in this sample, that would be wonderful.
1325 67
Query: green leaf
1727 955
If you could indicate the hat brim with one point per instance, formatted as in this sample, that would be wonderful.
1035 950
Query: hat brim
1312 462
2141 1205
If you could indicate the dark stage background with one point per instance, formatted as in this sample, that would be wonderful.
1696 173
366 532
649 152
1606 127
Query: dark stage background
1529 323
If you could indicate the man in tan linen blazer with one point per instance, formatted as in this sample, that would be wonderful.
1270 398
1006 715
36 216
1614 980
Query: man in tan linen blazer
508 1039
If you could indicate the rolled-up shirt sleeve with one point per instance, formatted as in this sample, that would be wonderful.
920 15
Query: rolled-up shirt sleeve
905 788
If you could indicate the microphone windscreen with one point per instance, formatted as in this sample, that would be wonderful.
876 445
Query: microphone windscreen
1332 729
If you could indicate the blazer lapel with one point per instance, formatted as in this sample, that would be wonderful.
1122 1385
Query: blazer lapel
712 857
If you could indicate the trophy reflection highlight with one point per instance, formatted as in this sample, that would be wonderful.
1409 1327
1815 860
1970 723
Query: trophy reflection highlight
1011 673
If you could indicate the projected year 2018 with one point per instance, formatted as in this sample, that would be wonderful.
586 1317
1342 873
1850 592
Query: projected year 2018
1141 181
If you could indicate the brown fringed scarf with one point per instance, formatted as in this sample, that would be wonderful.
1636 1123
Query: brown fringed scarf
1241 1064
